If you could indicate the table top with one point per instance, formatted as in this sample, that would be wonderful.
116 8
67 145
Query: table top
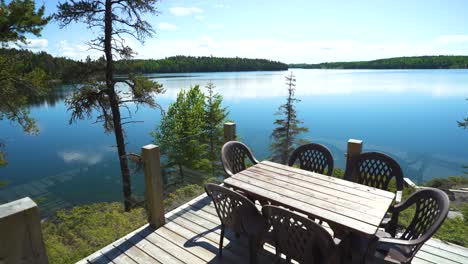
339 202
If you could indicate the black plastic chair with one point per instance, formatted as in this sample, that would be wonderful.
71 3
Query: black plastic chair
376 170
313 157
299 238
240 215
430 210
233 157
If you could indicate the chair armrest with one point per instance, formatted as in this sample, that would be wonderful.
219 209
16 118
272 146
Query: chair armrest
396 241
398 196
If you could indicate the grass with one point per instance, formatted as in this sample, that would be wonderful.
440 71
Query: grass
77 232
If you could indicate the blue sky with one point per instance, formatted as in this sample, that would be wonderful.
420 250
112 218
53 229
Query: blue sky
290 31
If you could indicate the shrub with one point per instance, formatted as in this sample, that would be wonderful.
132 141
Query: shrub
77 232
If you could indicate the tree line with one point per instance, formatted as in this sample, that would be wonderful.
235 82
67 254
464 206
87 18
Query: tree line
178 64
68 70
55 68
420 62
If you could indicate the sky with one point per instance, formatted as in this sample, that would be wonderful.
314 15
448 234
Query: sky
294 31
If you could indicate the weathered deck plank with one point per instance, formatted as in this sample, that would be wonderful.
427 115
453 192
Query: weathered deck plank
191 235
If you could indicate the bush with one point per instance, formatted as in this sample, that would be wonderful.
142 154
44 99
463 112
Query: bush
77 232
452 182
182 195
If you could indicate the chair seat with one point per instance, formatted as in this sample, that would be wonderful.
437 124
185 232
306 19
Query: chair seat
391 253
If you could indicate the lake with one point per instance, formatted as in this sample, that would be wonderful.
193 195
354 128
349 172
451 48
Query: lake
408 114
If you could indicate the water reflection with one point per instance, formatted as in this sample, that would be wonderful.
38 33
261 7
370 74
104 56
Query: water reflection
325 82
56 95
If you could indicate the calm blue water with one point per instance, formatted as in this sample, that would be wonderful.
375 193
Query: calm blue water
409 114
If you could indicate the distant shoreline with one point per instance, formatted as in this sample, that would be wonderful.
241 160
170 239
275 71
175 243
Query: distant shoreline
399 63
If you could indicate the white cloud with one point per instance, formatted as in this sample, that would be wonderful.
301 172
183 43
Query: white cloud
166 26
199 17
35 44
185 11
293 51
89 158
215 26
453 39
76 51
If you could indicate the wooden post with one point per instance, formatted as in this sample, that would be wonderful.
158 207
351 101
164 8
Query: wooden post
20 233
153 185
353 151
229 131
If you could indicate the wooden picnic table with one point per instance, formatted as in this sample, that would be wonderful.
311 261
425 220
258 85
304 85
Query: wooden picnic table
344 205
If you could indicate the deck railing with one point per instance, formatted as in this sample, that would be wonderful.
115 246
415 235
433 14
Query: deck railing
20 224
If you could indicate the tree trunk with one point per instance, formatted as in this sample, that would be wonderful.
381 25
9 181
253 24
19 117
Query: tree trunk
114 105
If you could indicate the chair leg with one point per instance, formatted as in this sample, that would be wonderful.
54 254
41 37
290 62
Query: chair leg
253 245
278 254
221 238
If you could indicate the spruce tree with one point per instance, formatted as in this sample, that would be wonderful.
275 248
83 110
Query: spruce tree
181 131
112 20
288 127
215 116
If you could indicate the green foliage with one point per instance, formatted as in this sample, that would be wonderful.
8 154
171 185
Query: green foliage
421 62
197 64
288 127
215 116
180 132
19 83
19 17
57 69
182 195
454 230
76 233
452 182
338 173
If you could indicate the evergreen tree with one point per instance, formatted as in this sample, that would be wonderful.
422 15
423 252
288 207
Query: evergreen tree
288 127
181 131
215 116
19 17
19 84
112 20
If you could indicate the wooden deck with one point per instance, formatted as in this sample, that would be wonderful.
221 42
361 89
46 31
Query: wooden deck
191 235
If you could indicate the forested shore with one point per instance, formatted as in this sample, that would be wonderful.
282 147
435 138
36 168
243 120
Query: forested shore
421 62
68 70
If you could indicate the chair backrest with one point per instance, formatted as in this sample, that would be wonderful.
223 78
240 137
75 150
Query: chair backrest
233 209
313 157
431 209
376 169
298 237
233 155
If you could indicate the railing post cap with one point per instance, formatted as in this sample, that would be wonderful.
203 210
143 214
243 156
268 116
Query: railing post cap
229 123
355 141
16 206
150 146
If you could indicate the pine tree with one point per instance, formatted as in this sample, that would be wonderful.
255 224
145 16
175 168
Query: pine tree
112 19
288 127
18 83
215 116
181 131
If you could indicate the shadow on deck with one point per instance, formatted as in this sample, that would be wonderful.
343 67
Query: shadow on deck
191 235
